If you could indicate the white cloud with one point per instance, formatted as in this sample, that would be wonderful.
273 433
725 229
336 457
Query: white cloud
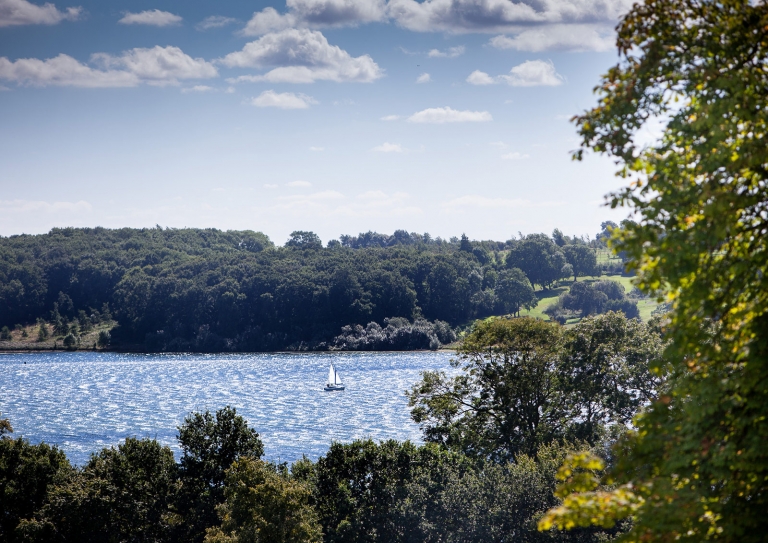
390 117
534 73
515 156
198 88
152 17
452 52
155 66
480 78
303 184
484 202
62 70
159 65
22 12
501 15
283 100
387 147
31 206
301 56
270 186
214 21
424 78
499 144
559 38
315 14
317 149
374 203
440 115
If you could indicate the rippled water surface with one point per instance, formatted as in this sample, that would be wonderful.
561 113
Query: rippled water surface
85 401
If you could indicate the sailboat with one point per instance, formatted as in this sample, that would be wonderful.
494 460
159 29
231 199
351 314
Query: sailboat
334 381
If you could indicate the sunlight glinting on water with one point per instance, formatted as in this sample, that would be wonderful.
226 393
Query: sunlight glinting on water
83 402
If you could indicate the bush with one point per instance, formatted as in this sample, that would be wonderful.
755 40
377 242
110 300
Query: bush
397 335
585 299
70 342
42 332
104 338
5 334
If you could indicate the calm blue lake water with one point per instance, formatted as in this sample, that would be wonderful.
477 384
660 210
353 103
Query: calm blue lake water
85 401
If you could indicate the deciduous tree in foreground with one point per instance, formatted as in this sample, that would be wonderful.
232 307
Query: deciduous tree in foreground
696 468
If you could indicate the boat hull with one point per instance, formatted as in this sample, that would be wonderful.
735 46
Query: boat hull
333 388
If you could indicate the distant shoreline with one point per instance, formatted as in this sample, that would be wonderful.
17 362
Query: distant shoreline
126 351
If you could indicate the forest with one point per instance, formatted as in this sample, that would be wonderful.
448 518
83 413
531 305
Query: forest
211 290
495 436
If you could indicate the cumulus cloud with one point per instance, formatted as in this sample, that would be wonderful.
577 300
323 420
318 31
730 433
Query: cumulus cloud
515 156
283 100
390 117
151 17
315 14
440 115
301 56
64 71
387 147
299 184
155 66
159 65
214 21
559 38
424 78
22 12
577 25
198 88
501 15
480 78
452 52
534 73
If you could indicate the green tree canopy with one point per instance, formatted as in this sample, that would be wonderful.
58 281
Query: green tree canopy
27 473
122 494
264 505
210 445
540 259
514 291
582 259
696 469
526 383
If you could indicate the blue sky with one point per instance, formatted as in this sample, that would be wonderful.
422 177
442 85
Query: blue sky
337 116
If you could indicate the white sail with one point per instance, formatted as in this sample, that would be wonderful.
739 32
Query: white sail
337 379
331 375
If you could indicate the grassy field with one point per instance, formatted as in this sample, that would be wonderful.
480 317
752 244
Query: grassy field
19 342
548 297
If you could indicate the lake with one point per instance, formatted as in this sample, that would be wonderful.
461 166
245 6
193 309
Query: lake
83 401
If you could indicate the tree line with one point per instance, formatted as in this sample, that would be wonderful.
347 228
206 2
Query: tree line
529 393
209 290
